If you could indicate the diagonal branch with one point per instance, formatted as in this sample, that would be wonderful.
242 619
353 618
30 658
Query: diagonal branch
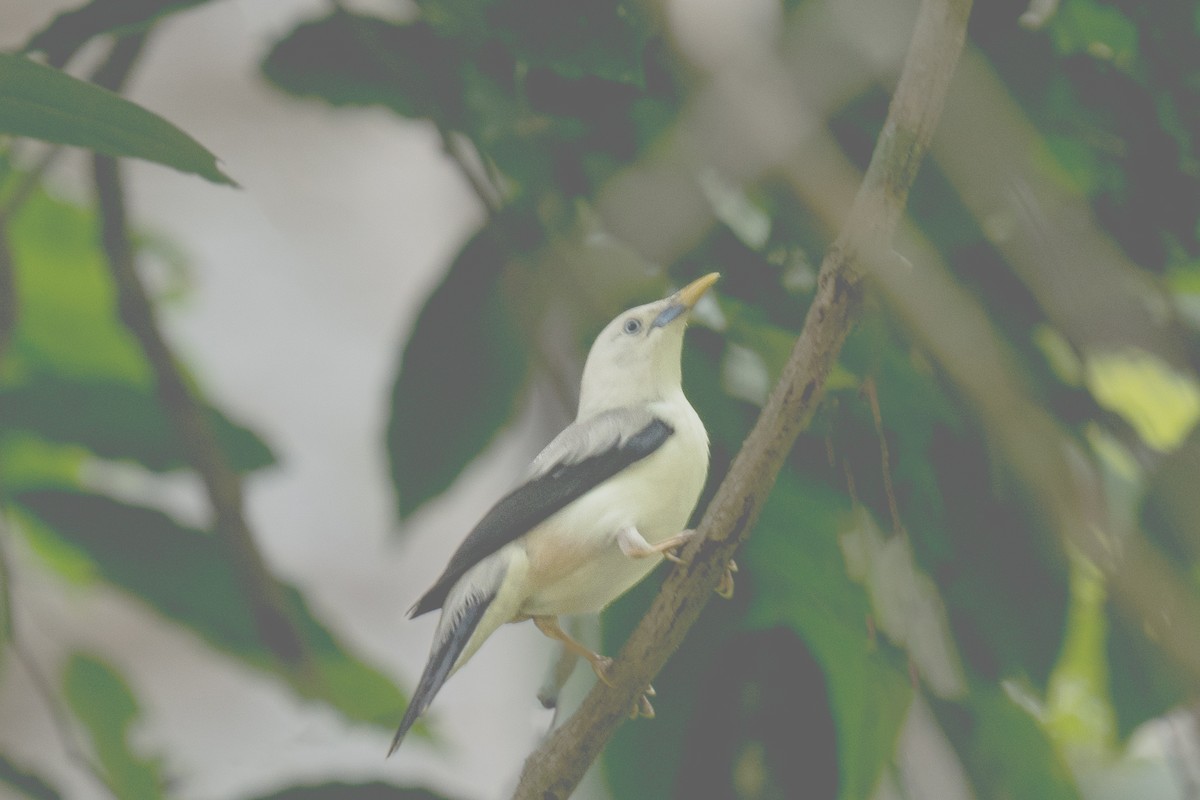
556 768
186 414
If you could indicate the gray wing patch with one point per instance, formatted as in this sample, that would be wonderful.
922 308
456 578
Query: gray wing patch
584 461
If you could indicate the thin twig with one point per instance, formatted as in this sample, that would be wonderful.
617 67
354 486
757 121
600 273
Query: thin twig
483 187
556 768
187 416
872 393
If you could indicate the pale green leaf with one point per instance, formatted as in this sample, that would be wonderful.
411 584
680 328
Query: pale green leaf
101 700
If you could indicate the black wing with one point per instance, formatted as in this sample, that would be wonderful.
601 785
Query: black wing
533 502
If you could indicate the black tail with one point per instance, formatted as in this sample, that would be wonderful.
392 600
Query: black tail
441 661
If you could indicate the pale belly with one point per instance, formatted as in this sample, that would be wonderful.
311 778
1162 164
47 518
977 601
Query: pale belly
575 563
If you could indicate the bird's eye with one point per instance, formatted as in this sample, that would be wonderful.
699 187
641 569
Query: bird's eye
633 325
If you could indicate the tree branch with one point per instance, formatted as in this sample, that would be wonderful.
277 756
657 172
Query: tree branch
187 416
555 769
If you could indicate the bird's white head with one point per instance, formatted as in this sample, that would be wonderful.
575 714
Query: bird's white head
636 358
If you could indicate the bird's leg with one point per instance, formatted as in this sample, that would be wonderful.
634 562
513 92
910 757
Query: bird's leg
549 626
634 545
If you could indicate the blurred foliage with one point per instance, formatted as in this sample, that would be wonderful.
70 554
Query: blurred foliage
897 557
365 791
44 103
21 781
205 596
75 397
101 700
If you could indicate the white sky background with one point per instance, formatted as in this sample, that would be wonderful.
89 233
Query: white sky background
301 286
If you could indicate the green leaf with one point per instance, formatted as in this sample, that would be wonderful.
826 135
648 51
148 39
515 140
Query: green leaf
1078 714
600 38
1004 750
357 791
186 575
41 102
634 760
28 784
801 583
351 60
1099 29
1160 402
61 275
463 365
117 421
70 30
101 700
1145 681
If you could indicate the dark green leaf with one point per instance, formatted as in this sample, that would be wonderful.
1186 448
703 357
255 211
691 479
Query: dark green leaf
800 582
1004 750
1099 29
117 421
462 367
347 791
70 30
763 692
186 575
347 59
27 784
1147 682
643 761
600 38
41 102
101 700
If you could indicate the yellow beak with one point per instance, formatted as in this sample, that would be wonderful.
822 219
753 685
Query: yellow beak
691 294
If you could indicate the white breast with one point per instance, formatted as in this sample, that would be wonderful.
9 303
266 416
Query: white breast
575 564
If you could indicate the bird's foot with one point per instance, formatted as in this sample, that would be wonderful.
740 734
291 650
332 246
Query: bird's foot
602 666
675 544
724 589
642 707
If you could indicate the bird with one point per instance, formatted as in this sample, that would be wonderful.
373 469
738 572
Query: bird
600 506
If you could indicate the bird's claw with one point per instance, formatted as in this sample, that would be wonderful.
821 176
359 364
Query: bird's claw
724 589
673 557
642 707
602 665
682 538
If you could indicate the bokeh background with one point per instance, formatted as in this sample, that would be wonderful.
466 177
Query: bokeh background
978 575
